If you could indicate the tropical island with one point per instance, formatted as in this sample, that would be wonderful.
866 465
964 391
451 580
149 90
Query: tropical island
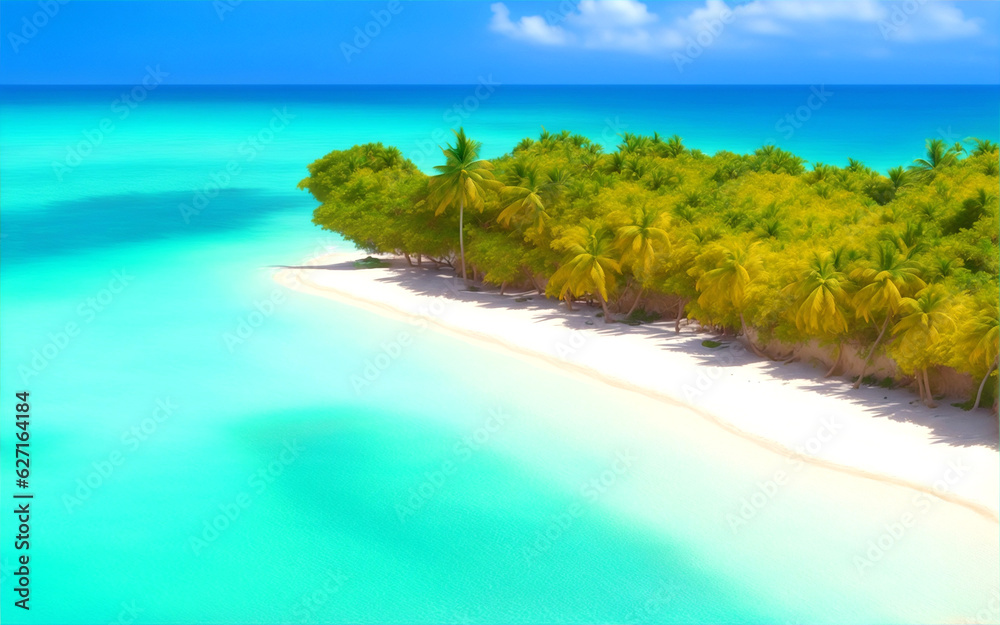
891 279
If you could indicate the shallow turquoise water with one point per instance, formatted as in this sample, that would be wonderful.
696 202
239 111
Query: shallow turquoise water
403 502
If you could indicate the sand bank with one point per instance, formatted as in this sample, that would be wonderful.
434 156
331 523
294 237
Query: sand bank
875 433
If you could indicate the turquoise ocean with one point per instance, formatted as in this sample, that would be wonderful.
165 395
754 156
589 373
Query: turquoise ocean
199 453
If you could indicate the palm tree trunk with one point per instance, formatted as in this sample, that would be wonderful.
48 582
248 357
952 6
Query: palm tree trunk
840 354
920 385
503 285
569 303
420 260
979 395
743 328
680 313
408 261
461 237
636 302
927 389
604 307
864 365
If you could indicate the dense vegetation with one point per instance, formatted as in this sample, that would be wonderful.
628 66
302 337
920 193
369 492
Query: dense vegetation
904 264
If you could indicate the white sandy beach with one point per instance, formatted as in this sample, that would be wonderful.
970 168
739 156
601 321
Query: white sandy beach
882 434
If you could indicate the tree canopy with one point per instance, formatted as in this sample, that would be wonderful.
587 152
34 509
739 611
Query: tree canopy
903 264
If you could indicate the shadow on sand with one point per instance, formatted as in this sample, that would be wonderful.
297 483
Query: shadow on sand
948 424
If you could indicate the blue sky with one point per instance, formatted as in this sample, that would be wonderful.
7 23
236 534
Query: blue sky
572 41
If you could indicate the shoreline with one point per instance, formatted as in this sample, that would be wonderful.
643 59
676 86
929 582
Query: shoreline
945 452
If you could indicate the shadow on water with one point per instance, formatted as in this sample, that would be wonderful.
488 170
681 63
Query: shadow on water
100 222
485 523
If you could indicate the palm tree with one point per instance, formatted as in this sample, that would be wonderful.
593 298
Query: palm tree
821 295
526 201
980 339
822 171
857 166
390 157
983 146
921 323
972 209
938 155
899 177
941 267
589 266
728 281
639 242
463 179
674 146
889 278
633 144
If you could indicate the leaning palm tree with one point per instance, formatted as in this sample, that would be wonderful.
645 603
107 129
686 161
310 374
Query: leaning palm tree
526 201
639 242
464 179
922 318
889 277
727 282
980 339
821 299
589 266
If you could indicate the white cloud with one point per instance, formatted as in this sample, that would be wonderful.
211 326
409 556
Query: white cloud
531 28
629 24
932 21
613 24
811 11
612 14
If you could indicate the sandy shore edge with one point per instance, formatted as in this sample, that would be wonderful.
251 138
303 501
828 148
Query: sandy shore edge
903 451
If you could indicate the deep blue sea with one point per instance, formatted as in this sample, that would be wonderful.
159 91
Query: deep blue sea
180 475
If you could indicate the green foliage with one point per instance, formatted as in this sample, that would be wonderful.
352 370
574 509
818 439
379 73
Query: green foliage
640 316
904 264
370 262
